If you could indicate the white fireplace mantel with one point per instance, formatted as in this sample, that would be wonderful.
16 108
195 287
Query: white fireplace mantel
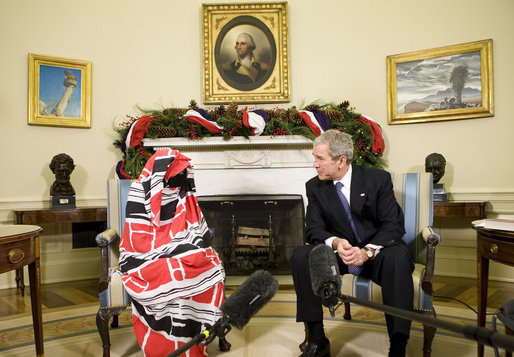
282 142
255 165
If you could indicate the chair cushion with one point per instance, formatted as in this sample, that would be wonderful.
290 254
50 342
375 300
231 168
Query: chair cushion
365 289
115 294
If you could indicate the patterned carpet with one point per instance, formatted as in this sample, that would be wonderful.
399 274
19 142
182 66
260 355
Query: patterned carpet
273 332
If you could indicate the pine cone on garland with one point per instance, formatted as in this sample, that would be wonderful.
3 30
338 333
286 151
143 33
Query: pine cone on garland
295 117
193 104
176 111
162 131
277 114
232 111
344 104
312 107
334 114
220 111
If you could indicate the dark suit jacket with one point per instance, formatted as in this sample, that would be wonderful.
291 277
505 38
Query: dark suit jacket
377 216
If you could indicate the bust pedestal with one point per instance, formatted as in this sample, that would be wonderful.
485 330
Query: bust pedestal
63 202
440 194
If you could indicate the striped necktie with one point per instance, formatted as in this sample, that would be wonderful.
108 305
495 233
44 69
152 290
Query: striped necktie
353 269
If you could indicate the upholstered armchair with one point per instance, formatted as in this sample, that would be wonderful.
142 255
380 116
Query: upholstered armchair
112 296
413 191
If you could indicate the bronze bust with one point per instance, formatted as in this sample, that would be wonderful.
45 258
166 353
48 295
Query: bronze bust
435 163
62 165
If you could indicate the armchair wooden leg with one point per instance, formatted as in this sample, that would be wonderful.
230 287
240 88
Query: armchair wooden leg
428 335
114 321
102 323
347 313
509 332
224 345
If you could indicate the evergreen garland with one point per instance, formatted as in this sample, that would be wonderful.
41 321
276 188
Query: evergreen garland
171 122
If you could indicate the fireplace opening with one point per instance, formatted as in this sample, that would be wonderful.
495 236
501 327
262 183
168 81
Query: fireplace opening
253 232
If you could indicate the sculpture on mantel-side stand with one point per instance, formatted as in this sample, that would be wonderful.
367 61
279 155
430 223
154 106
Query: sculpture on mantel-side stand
436 164
62 192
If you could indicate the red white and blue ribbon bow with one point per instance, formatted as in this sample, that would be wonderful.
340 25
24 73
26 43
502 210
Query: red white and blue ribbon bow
255 120
201 117
316 120
134 136
378 145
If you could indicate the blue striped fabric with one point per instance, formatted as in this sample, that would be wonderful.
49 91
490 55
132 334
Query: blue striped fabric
117 194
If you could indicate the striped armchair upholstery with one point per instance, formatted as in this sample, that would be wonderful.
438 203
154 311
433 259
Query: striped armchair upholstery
112 296
414 193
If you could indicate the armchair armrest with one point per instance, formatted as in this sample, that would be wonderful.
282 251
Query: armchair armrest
104 240
432 238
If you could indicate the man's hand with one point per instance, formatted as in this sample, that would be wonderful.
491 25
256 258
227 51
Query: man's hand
349 254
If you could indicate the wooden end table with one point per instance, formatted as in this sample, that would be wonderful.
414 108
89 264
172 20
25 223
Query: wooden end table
49 215
19 246
493 245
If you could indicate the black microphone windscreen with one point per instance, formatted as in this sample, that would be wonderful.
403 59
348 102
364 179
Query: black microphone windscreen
324 268
249 298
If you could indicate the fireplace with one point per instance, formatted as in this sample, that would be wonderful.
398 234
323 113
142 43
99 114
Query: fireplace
253 232
252 193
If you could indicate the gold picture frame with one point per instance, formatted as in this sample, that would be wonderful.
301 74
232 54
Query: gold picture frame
265 79
445 83
59 92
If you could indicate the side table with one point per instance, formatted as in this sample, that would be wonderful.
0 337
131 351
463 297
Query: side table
49 215
460 209
493 245
19 246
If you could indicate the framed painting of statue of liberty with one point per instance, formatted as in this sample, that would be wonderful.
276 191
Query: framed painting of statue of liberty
445 83
59 92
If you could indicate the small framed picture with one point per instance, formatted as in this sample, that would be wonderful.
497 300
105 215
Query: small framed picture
59 92
446 83
245 53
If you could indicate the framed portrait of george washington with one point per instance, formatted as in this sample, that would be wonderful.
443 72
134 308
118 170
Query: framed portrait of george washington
245 53
59 92
445 83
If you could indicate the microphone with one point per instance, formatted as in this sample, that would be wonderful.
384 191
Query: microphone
249 298
238 308
325 278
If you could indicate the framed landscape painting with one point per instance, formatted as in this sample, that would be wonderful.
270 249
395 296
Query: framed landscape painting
59 92
245 53
446 83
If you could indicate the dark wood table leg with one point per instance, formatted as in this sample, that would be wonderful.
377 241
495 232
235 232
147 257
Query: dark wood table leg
483 277
509 332
20 281
35 302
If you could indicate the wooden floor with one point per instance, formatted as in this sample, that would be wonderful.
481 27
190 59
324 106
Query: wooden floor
84 293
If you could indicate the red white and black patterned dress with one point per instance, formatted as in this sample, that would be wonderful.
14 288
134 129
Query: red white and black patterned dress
171 272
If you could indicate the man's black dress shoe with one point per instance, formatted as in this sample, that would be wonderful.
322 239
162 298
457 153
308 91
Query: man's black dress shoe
313 350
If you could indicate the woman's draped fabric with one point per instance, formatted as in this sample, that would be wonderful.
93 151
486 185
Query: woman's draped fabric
174 277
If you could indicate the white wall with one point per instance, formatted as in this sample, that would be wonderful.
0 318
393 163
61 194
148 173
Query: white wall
149 53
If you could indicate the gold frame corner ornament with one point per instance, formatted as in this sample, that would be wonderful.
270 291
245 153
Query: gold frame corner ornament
75 74
421 109
268 23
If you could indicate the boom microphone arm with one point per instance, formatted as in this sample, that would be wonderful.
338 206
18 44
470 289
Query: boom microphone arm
482 335
327 282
